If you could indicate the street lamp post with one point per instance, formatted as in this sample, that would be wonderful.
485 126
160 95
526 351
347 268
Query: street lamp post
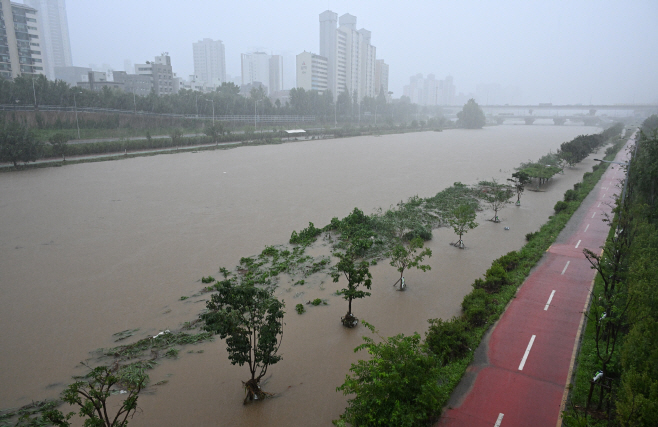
75 105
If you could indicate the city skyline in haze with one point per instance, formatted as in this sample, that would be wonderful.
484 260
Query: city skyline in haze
558 51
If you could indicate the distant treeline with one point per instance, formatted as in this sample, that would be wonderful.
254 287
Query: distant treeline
226 100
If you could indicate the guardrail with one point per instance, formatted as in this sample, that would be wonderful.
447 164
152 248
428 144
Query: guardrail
225 118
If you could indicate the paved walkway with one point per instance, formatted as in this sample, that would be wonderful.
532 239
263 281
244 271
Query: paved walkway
520 371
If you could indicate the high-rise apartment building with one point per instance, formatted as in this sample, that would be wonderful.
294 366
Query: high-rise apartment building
255 68
20 40
54 28
350 55
430 91
312 72
209 61
328 45
263 69
381 77
276 73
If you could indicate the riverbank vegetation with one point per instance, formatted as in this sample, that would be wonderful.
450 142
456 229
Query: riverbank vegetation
616 381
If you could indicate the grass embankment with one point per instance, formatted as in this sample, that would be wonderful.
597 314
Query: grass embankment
128 148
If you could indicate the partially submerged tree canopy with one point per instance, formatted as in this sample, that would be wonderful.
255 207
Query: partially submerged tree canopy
496 195
471 116
404 256
251 320
519 180
462 219
91 392
357 273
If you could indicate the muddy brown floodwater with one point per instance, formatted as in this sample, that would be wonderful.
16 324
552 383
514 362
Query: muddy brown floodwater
92 249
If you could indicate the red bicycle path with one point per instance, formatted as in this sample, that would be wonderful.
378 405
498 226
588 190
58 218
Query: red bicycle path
520 371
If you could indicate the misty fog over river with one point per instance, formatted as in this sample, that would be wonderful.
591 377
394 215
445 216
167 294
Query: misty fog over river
92 249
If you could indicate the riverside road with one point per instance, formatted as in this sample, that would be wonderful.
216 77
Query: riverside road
521 369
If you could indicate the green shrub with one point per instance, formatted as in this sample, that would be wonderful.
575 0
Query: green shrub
424 233
495 278
560 206
306 236
510 260
531 235
476 307
208 279
448 340
317 302
397 385
570 195
300 309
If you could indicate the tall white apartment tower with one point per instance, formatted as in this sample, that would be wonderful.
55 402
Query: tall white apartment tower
255 68
54 29
209 61
276 74
350 56
328 46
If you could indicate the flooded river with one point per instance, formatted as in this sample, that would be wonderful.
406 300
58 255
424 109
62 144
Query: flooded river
92 249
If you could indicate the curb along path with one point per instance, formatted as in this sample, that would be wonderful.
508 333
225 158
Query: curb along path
522 379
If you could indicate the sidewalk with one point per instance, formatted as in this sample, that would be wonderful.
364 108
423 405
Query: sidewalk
521 369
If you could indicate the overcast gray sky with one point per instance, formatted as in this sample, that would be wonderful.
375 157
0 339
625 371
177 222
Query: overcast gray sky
554 51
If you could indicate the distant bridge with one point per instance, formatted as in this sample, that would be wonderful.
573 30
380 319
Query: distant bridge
558 120
573 107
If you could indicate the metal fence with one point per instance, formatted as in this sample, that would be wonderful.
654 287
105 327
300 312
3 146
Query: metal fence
262 118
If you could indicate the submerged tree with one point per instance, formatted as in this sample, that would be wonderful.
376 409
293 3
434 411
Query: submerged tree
357 273
91 393
519 180
404 256
496 195
462 219
251 320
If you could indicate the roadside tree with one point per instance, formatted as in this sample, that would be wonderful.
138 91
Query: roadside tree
251 320
58 141
404 256
17 143
214 131
461 220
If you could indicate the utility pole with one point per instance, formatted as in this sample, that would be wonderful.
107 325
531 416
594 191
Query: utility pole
75 104
36 107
